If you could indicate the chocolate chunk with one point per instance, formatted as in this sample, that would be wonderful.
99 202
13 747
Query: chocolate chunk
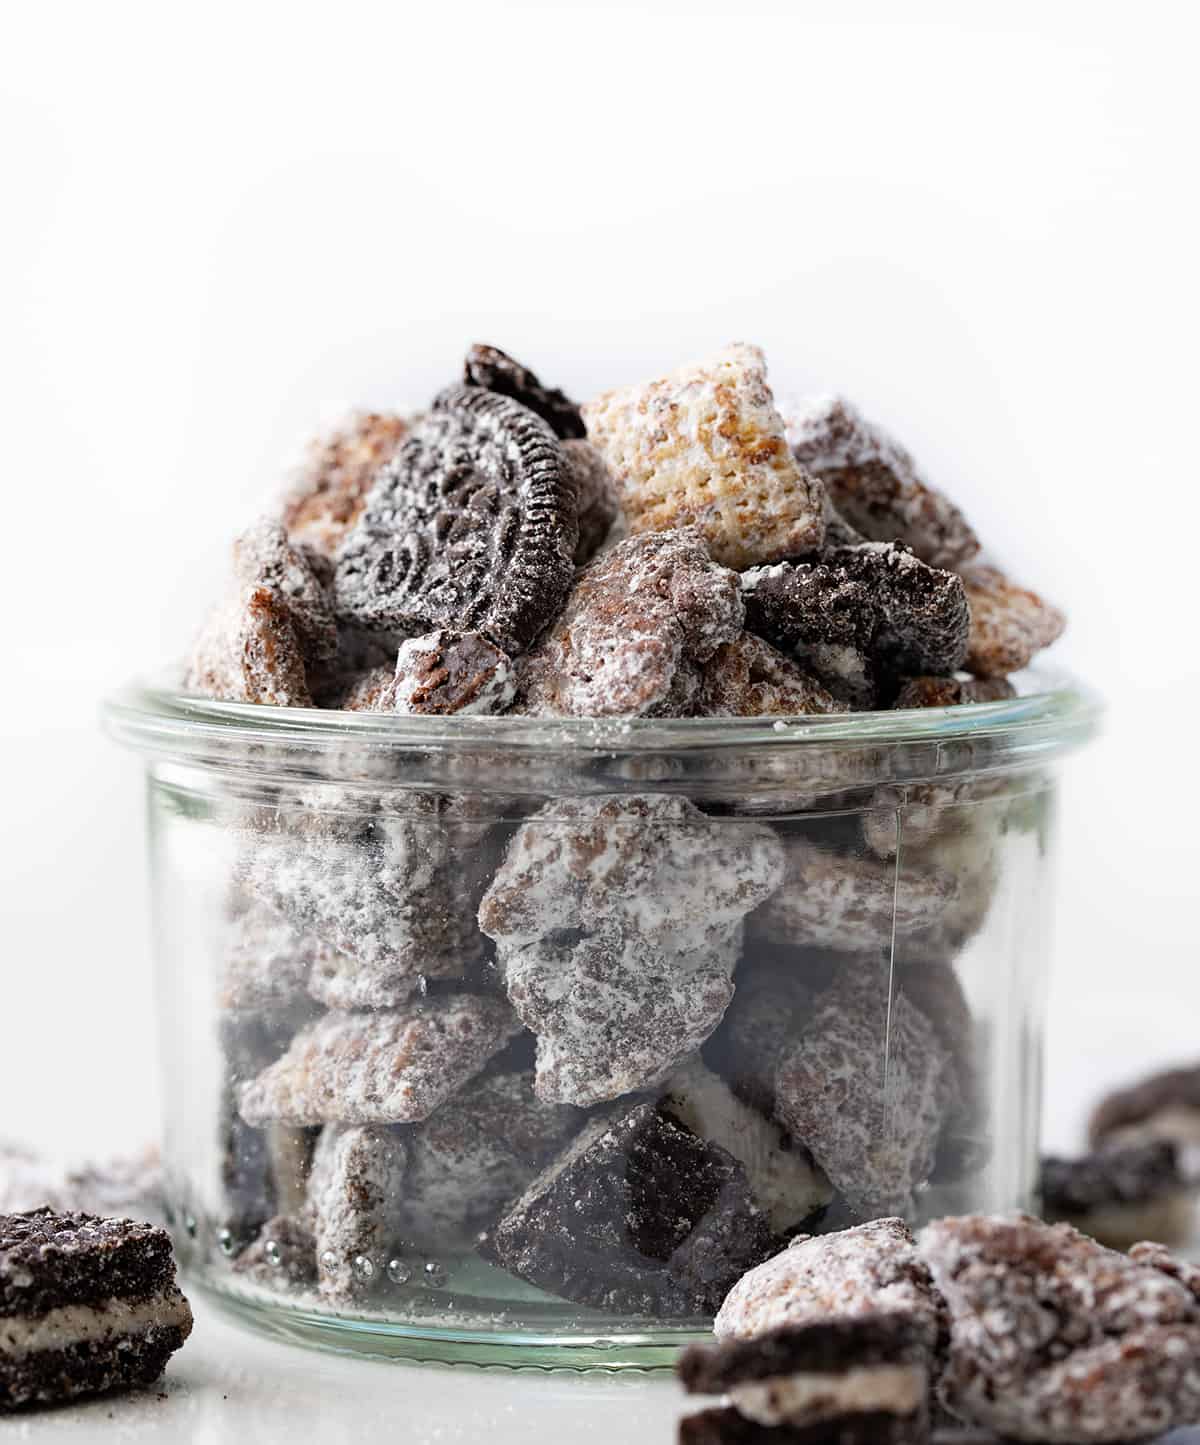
638 1217
874 483
472 525
394 1066
704 447
491 369
325 500
867 1087
864 1271
1057 1339
639 620
1009 624
1121 1194
87 1305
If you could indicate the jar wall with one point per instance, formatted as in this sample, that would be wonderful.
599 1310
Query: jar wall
534 1076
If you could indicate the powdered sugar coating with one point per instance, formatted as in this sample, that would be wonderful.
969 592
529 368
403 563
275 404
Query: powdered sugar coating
867 1087
475 1153
264 557
358 1172
638 617
865 1270
449 672
612 1010
595 495
874 483
952 691
325 499
704 447
1055 1338
394 1066
850 903
268 962
749 678
1009 624
381 886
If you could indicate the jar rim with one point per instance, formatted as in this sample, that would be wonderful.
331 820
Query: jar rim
1053 713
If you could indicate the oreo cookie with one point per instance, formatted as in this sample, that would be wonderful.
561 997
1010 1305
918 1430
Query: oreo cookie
494 370
1120 1195
726 1426
471 526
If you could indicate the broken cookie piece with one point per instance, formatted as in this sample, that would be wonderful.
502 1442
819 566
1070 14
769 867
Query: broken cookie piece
87 1306
874 483
393 1066
704 447
1165 1105
640 620
638 1216
1121 1194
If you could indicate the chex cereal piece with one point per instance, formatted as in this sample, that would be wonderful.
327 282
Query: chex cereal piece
639 616
358 1173
283 1256
952 691
749 678
263 557
860 1272
836 1370
848 903
1121 1194
784 1181
704 447
449 672
394 1066
380 884
1158 1256
868 1088
595 495
655 863
475 1154
1055 1338
493 370
637 1216
613 1010
874 483
471 525
267 961
87 1306
923 616
1009 624
324 501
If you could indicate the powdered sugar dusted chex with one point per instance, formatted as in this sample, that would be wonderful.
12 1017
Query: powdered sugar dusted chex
618 921
1009 624
637 625
595 496
874 484
394 1066
1055 1338
325 499
704 447
868 1088
475 1153
866 1270
472 525
268 962
953 691
449 672
848 903
358 1173
749 678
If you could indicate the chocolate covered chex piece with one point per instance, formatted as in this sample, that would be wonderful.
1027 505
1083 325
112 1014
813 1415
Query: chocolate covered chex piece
595 495
283 1256
637 1216
358 1174
874 483
704 447
864 1271
952 691
393 1066
640 621
749 678
87 1306
325 499
868 1088
1009 624
1056 1339
268 962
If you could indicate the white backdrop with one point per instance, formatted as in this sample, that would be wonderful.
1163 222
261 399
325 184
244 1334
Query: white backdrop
222 221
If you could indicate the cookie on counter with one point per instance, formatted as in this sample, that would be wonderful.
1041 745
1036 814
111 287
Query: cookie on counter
1121 1195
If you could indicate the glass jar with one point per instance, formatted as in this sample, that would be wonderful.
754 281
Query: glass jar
518 1042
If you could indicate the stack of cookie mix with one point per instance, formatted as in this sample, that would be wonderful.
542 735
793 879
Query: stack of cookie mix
614 1045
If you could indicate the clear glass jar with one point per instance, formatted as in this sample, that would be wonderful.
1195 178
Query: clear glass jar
517 1042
